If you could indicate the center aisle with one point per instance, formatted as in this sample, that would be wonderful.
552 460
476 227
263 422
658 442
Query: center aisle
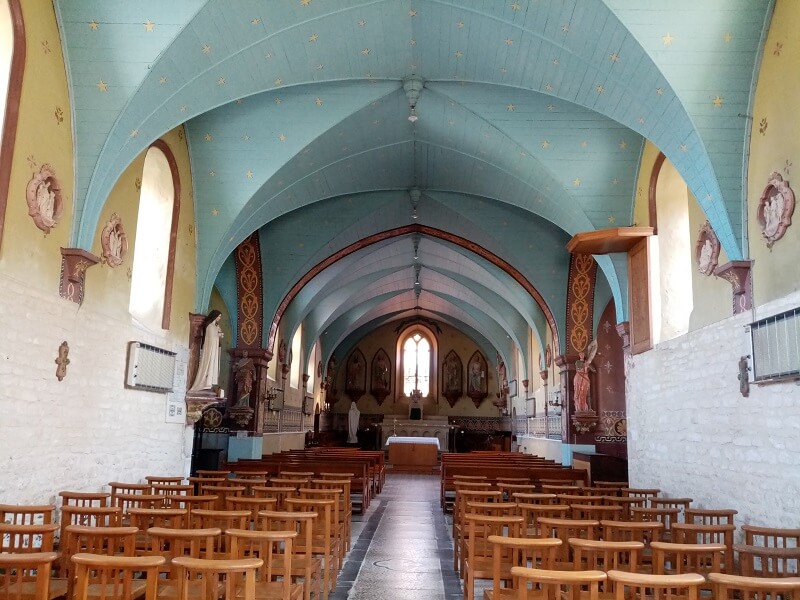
402 547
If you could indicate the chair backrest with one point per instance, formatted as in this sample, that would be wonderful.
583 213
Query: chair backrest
69 498
480 527
552 584
274 548
638 586
145 518
534 498
579 499
665 516
605 555
295 482
172 543
755 535
190 502
19 539
626 503
237 576
691 533
103 577
109 541
768 561
598 512
223 492
300 521
254 505
533 512
128 501
710 516
31 514
507 552
632 531
165 479
730 587
674 559
120 487
564 529
279 492
496 509
171 489
29 570
680 503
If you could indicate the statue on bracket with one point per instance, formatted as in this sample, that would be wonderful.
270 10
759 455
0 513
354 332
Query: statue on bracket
207 375
477 380
706 251
452 378
381 376
775 208
355 384
44 199
114 242
581 381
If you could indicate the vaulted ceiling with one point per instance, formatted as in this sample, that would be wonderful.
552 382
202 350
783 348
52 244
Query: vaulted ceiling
531 119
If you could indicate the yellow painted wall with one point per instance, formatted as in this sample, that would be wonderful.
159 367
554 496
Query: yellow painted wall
775 146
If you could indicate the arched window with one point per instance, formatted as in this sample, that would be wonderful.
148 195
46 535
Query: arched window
416 364
294 373
12 65
156 232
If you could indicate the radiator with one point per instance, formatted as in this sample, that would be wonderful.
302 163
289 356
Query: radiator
776 346
150 368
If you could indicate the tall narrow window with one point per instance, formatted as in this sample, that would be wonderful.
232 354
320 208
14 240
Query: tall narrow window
151 283
12 65
416 364
294 373
6 52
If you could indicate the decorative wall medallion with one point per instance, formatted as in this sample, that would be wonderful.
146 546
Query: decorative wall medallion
775 209
706 251
62 361
44 199
114 241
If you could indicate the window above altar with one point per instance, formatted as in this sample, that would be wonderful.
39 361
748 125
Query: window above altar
416 364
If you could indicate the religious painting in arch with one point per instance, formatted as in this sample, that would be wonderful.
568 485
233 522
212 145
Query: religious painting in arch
381 376
477 378
452 378
775 209
355 384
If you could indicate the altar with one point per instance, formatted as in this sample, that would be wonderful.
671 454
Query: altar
436 427
407 451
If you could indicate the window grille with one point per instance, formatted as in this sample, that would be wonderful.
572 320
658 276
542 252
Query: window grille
776 347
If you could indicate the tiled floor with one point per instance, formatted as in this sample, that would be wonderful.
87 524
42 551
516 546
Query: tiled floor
402 547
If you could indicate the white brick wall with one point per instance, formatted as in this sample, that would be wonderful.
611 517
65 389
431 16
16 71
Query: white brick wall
692 434
86 430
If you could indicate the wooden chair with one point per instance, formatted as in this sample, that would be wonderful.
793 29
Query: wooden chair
531 513
459 510
682 504
304 563
534 498
222 492
201 483
171 489
601 512
709 516
279 493
27 576
129 501
120 487
22 539
108 541
509 552
690 533
768 561
730 587
253 474
614 487
190 502
578 499
755 535
274 548
98 499
297 474
665 516
145 518
677 559
213 473
324 542
626 503
559 488
164 480
222 519
638 586
643 493
346 507
477 552
203 579
247 483
32 514
337 526
254 505
103 577
174 543
543 584
634 531
601 555
295 482
564 529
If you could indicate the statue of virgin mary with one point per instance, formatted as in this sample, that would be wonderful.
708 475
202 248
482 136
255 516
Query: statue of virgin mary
208 368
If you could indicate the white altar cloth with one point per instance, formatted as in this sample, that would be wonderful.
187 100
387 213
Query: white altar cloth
397 439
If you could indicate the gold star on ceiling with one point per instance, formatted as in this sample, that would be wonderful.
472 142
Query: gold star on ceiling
318 101
278 82
460 24
623 144
555 62
510 107
46 47
600 89
313 37
221 81
503 70
584 144
718 101
509 42
134 133
412 13
545 144
162 80
268 55
93 25
565 28
305 2
412 41
550 108
184 108
577 182
667 39
684 148
249 174
612 219
548 87
728 37
641 120
246 137
214 212
149 25
615 181
240 101
613 57
102 86
515 6
365 52
281 137
206 49
255 21
278 100
459 53
212 173
320 67
208 137
660 91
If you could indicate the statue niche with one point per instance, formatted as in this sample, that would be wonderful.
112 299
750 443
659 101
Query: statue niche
381 381
355 384
452 378
477 378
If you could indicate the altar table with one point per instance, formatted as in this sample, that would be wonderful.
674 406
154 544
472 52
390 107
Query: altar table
413 451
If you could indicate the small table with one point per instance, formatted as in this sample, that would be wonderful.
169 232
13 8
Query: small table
413 451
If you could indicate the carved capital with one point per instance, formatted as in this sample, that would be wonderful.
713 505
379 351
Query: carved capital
544 375
738 274
624 331
74 262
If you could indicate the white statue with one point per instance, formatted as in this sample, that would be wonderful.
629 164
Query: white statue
352 423
705 256
46 200
208 369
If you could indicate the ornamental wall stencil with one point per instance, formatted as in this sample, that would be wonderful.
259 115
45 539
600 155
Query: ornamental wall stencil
580 301
775 209
706 250
249 287
114 242
45 202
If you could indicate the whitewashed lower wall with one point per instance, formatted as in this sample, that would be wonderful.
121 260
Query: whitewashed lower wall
691 433
538 446
84 431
